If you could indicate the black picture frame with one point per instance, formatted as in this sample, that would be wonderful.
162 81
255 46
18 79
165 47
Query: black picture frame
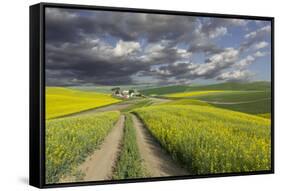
37 94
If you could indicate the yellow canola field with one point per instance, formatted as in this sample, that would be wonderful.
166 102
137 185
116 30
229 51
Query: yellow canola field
70 140
197 93
64 101
210 140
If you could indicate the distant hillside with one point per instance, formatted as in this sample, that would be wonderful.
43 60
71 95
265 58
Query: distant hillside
107 89
261 85
164 90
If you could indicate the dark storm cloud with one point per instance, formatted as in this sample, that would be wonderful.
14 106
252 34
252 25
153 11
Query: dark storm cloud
111 48
61 26
98 62
70 49
212 67
92 66
68 25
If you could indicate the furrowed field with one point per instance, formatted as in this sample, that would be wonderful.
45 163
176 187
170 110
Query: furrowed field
70 140
64 101
210 140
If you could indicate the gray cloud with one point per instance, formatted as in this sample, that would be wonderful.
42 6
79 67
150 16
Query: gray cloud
92 62
208 70
255 38
111 48
211 28
70 25
236 76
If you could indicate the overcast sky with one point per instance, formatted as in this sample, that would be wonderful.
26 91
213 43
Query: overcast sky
86 47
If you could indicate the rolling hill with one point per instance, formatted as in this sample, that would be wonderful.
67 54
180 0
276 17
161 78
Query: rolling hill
261 85
63 101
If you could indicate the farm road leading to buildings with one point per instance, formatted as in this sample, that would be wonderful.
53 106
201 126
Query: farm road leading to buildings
156 160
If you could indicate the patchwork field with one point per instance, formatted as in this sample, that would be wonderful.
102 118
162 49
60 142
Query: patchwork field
253 98
184 130
210 140
139 95
64 101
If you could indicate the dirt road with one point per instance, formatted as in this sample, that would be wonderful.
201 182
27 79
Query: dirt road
99 165
156 160
156 101
113 107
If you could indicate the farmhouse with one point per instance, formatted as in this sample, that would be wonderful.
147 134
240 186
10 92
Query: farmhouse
125 93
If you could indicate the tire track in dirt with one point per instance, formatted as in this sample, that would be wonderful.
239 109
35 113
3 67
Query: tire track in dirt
113 107
155 159
100 164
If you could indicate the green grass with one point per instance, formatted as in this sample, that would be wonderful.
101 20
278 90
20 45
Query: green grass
70 140
64 101
129 164
210 140
253 102
235 96
259 107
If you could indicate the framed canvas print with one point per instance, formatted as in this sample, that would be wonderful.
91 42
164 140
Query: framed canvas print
122 95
